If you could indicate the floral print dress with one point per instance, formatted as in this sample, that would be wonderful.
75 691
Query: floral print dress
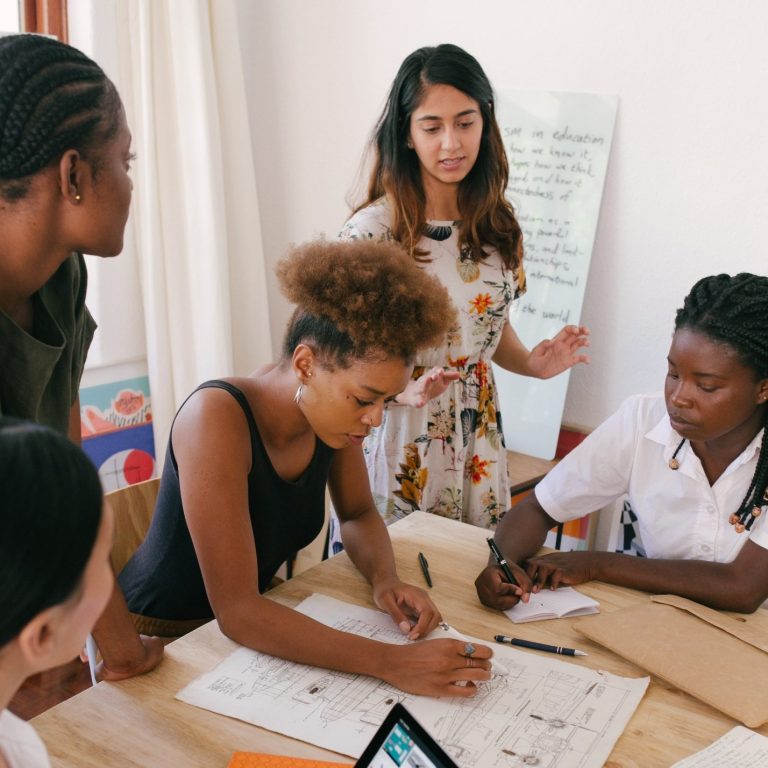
448 457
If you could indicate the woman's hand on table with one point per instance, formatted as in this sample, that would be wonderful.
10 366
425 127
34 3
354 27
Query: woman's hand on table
561 569
153 648
495 591
436 667
410 607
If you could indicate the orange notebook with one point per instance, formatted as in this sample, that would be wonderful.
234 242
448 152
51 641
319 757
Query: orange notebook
259 760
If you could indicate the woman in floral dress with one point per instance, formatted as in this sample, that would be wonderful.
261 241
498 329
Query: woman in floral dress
437 187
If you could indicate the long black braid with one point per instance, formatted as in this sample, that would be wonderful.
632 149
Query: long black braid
52 98
734 310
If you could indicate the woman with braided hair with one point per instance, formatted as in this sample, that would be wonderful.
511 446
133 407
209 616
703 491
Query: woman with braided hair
248 460
65 153
694 464
64 191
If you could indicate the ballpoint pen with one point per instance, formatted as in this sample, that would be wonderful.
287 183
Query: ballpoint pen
538 646
501 561
425 569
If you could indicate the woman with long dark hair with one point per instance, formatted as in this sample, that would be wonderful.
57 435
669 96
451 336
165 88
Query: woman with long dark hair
437 188
55 541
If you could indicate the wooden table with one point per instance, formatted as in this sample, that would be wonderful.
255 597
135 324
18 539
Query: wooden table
139 723
525 471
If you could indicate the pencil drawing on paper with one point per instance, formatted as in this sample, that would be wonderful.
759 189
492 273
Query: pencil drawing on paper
534 711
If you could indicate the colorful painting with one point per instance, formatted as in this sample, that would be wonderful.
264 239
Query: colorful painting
571 536
116 430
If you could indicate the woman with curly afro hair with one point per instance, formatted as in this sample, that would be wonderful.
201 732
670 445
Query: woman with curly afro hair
249 458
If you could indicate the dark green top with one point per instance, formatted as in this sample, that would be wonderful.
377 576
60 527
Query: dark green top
40 372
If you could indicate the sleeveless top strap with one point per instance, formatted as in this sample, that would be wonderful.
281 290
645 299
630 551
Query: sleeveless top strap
242 401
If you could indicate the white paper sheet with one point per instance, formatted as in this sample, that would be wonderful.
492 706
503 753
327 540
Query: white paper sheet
739 748
565 715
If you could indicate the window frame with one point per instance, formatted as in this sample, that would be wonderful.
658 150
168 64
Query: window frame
48 17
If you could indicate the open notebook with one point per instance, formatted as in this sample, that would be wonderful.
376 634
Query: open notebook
553 604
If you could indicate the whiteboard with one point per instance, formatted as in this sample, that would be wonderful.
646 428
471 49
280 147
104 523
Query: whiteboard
558 146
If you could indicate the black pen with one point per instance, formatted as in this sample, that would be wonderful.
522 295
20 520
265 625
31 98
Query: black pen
425 569
501 561
538 646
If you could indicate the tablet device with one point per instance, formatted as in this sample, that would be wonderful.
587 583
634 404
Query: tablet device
401 741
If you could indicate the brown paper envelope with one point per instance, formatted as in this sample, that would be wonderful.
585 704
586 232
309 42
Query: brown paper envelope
701 659
747 627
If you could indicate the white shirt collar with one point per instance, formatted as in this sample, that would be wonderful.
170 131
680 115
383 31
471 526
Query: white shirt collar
663 434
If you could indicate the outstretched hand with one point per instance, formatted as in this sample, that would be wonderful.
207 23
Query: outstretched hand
430 384
553 356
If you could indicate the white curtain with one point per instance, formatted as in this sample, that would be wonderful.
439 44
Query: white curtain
195 208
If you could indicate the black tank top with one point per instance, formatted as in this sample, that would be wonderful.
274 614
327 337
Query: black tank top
163 579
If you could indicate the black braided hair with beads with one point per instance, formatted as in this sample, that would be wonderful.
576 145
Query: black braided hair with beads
52 98
734 310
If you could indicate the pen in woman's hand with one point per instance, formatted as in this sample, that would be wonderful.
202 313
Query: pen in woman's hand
502 563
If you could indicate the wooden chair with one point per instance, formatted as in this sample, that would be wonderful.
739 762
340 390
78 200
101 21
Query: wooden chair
132 507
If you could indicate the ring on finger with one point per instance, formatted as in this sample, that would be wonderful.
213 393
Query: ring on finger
469 649
469 662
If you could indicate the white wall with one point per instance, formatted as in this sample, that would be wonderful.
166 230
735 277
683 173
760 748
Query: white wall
118 350
686 187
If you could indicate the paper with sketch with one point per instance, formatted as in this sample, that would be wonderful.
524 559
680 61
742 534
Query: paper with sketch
739 748
553 604
565 714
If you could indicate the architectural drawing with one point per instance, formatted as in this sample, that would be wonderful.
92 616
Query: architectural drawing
534 711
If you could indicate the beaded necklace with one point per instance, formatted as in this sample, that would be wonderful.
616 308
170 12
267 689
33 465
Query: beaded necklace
741 521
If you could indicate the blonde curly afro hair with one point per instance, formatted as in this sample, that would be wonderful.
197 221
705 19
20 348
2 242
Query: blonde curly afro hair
362 300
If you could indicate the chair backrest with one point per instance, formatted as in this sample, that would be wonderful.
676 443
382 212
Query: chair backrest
133 507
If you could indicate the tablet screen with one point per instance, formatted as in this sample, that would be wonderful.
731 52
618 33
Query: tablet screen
401 741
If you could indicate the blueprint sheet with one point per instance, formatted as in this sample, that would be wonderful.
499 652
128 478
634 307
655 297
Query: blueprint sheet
534 711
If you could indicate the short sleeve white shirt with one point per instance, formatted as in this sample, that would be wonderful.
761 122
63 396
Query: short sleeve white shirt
19 743
680 516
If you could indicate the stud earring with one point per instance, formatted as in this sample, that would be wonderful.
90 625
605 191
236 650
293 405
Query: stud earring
78 198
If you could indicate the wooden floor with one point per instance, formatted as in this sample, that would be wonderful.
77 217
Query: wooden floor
42 691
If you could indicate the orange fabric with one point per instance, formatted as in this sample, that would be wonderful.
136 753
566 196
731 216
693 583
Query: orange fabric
259 760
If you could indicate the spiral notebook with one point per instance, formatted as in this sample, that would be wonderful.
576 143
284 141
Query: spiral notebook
564 602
